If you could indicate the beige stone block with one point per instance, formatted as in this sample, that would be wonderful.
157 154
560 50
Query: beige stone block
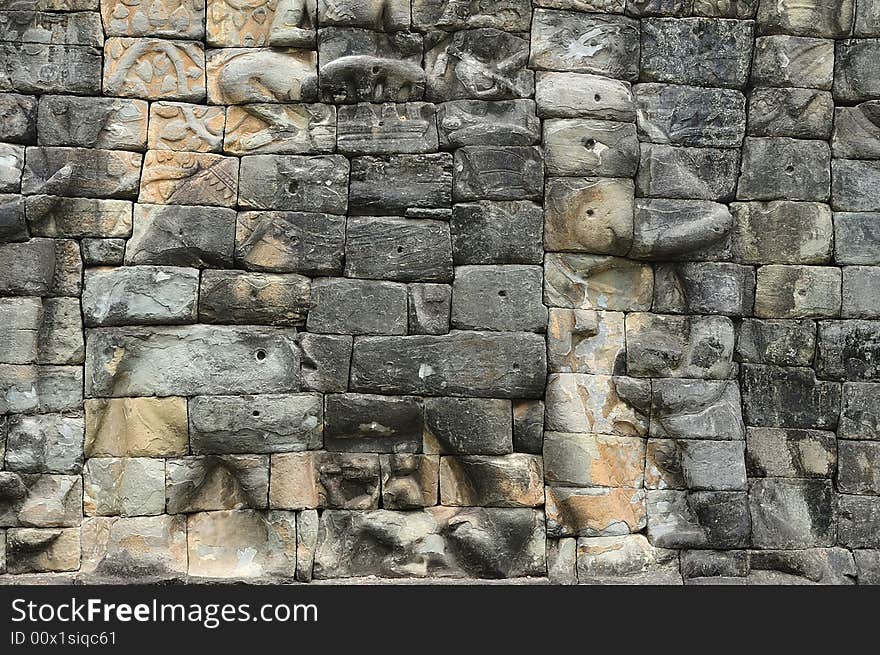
253 23
593 460
30 550
238 76
174 18
183 126
601 404
597 282
592 215
798 292
322 479
189 178
598 512
154 69
585 341
135 427
273 128
409 481
514 480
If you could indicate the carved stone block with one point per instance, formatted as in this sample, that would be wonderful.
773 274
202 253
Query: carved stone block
238 76
179 126
154 69
189 178
181 19
256 23
112 123
290 128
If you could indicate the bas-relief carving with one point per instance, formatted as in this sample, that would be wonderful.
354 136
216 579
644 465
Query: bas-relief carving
175 18
154 69
254 23
273 128
180 126
238 76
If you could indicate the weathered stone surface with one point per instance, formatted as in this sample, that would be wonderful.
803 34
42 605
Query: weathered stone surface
848 350
599 404
11 164
481 64
859 520
699 51
659 7
467 426
579 146
698 519
860 417
40 389
198 237
390 16
260 22
180 19
596 282
402 249
679 172
464 542
778 342
78 28
182 126
572 95
392 184
13 225
359 65
528 426
112 123
240 76
306 543
135 427
854 185
154 69
409 481
140 295
867 566
704 288
589 215
867 20
503 232
506 298
798 292
40 501
212 482
585 43
789 398
858 469
508 15
269 128
782 232
786 61
36 551
515 480
562 561
215 541
54 216
792 513
124 362
103 252
428 308
854 79
861 292
355 422
324 480
371 129
593 460
326 359
680 229
599 512
690 116
696 409
498 173
261 424
189 178
797 113
627 559
150 548
41 331
88 173
714 564
47 443
585 341
124 486
696 464
19 114
342 305
479 364
481 123
804 566
826 18
792 169
253 298
307 243
857 131
50 68
679 346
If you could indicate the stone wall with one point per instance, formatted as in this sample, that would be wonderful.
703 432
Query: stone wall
578 290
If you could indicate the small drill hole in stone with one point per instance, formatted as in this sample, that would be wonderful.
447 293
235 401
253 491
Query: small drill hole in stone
597 97
590 212
260 355
399 249
789 169
256 412
590 143
292 187
502 293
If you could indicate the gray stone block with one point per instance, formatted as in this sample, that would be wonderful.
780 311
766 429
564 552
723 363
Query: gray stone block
690 116
47 443
498 173
392 184
13 225
50 68
506 298
698 519
855 185
831 19
124 486
346 306
783 168
40 389
797 113
401 249
680 229
199 237
515 480
371 129
325 361
41 331
696 409
789 398
102 252
776 341
679 172
112 123
294 183
597 282
253 298
858 467
497 232
793 61
782 232
857 131
211 482
867 20
861 292
695 464
790 453
577 95
848 350
468 426
798 291
81 171
860 417
854 79
704 288
792 513
482 123
355 422
19 118
428 308
41 267
54 216
859 521
589 147
528 426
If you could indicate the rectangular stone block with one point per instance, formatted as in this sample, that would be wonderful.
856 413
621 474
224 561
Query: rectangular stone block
371 423
50 68
782 232
796 113
852 61
792 513
13 225
859 521
154 69
306 543
271 423
280 129
409 481
858 469
46 443
704 288
261 23
497 232
782 168
681 230
294 183
593 460
81 172
515 480
124 486
505 298
392 184
20 118
848 350
468 426
789 398
391 17
41 331
479 122
183 126
326 359
679 172
198 237
597 282
347 306
498 173
861 292
589 215
135 427
695 464
576 146
42 551
240 76
860 416
598 512
146 361
690 116
170 18
775 341
324 480
428 308
696 409
793 61
111 123
216 482
508 15
400 249
54 216
854 185
76 28
140 295
480 364
375 129
102 252
11 164
599 404
573 95
627 559
698 519
40 501
585 341
253 298
280 242
828 18
189 178
40 389
857 131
